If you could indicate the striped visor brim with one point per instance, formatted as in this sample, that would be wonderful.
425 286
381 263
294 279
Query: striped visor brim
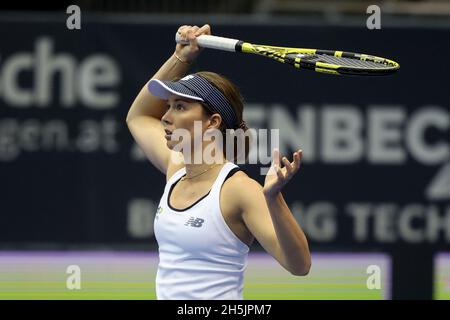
163 90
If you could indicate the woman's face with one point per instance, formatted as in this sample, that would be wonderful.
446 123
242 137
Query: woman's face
178 122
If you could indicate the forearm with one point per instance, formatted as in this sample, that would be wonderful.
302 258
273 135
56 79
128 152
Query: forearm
292 240
145 104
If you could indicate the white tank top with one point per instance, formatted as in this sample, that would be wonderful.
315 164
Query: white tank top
199 256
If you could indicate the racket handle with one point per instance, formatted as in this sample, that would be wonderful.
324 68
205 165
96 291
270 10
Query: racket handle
212 42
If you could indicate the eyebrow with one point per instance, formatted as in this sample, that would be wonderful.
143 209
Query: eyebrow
182 100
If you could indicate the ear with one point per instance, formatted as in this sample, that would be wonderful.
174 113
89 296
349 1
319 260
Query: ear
215 121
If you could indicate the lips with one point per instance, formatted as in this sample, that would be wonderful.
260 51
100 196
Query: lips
168 135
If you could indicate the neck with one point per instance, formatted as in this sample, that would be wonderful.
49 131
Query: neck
194 169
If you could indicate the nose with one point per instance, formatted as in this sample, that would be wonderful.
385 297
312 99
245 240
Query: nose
166 119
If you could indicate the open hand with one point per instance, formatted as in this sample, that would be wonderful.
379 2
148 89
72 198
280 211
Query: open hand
277 177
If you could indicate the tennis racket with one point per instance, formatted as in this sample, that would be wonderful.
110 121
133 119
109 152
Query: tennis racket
325 61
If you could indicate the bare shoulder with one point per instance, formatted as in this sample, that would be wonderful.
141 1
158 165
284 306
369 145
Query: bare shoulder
240 189
241 180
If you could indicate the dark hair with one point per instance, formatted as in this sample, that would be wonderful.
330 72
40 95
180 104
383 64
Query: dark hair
233 95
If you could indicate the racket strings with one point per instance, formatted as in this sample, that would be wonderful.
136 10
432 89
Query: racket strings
351 63
348 62
341 61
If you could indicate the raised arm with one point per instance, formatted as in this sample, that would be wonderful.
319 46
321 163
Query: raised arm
144 116
270 220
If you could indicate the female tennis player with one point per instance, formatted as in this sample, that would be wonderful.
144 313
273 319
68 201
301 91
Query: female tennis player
209 213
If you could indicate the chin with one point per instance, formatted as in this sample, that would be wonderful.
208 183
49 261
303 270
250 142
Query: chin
170 144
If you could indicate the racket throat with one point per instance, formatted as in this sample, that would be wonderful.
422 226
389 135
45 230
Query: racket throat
301 61
238 46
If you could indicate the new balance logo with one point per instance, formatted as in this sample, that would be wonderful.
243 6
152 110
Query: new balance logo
194 222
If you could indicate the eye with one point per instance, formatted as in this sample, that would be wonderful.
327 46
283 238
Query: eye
179 106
